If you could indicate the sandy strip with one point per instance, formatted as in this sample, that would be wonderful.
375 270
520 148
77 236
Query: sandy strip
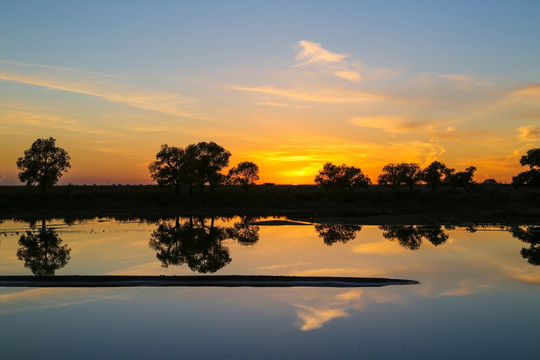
196 280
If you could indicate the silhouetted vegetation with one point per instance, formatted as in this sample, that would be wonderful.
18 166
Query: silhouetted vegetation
333 233
532 176
400 174
244 232
531 236
435 175
410 236
341 176
197 164
462 179
43 164
42 251
198 242
245 174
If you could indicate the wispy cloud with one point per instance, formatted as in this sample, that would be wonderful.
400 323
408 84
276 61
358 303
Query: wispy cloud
348 75
311 52
528 133
317 94
394 124
116 88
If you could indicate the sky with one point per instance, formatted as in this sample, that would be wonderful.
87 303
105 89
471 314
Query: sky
289 85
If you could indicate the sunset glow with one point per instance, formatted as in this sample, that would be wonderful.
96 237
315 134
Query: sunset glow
289 86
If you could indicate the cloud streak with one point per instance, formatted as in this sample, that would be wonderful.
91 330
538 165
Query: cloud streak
312 52
317 94
528 133
110 87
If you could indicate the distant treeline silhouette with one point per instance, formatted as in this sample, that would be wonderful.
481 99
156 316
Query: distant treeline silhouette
202 164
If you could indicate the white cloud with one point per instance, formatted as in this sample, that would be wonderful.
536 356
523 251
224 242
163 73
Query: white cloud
312 52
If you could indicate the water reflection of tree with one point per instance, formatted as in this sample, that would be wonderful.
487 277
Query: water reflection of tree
410 236
333 233
198 243
244 232
531 236
42 251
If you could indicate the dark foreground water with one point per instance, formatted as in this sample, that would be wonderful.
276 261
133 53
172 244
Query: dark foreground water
478 294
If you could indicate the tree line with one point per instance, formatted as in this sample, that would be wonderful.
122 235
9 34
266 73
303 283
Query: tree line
202 164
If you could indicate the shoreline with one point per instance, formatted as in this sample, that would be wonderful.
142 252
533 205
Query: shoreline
196 281
375 205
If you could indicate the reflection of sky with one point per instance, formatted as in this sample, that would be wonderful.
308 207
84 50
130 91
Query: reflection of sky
475 283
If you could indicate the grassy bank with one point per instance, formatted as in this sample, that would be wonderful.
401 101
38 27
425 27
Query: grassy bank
484 203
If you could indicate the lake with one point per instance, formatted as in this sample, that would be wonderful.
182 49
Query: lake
478 291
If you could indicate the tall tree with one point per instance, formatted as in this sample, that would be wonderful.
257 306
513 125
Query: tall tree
206 160
43 164
167 169
245 174
398 174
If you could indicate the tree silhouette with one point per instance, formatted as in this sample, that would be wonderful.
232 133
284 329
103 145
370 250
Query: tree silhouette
244 232
407 236
43 164
398 174
462 179
245 174
435 174
531 236
532 176
167 169
341 176
197 245
333 233
43 252
410 236
434 234
206 160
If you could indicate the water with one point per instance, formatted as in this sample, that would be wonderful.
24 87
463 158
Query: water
477 296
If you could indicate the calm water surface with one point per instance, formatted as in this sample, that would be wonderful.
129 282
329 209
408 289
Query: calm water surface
478 294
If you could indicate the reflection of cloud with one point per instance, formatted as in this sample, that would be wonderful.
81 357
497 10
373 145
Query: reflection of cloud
528 133
378 248
44 298
312 318
464 288
312 52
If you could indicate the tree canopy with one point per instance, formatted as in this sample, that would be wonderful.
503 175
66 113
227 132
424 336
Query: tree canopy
196 164
44 163
245 173
341 176
530 177
43 252
400 174
167 169
435 174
